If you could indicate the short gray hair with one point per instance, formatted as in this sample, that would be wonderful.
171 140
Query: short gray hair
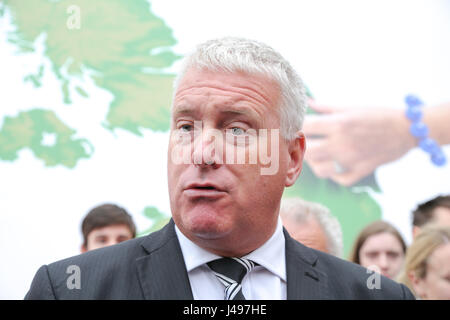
300 211
232 54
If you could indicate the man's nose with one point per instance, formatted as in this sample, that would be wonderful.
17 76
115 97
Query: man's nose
208 146
111 242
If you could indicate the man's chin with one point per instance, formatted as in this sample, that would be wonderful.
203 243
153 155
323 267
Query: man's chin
206 222
209 232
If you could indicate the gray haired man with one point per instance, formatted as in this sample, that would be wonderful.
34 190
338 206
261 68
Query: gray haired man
225 241
312 224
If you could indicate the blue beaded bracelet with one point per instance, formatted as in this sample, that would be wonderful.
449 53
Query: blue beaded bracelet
420 131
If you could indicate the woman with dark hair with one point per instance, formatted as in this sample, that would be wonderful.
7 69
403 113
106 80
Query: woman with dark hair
380 247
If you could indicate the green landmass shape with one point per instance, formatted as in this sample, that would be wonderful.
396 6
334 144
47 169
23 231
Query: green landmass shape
122 42
157 218
35 79
27 130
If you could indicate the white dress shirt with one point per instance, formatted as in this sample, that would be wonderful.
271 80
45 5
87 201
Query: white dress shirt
265 282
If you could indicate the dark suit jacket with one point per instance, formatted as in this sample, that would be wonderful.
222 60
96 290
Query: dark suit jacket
152 267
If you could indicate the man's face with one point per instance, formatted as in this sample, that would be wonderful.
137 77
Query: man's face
308 232
441 217
107 236
227 208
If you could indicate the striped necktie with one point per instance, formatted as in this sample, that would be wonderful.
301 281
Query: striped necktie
230 272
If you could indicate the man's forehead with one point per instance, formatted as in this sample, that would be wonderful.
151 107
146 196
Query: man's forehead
441 215
229 85
190 104
194 74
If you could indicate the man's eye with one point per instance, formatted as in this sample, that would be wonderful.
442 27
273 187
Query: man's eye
101 240
186 127
237 131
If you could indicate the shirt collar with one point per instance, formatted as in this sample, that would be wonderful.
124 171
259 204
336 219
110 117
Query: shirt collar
268 255
194 256
271 255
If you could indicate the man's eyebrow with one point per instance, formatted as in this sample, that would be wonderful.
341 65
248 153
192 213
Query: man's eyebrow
225 110
235 112
183 110
243 113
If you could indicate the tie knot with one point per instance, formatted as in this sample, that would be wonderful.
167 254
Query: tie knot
233 268
230 272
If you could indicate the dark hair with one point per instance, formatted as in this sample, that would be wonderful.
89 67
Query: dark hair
424 212
373 228
106 215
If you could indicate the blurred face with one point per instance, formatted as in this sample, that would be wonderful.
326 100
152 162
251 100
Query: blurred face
308 233
384 251
107 236
227 207
436 284
441 216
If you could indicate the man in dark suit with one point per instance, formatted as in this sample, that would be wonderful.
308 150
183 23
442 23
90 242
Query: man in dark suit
234 100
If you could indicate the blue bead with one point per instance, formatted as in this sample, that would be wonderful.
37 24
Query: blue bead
419 129
413 101
438 158
429 145
414 113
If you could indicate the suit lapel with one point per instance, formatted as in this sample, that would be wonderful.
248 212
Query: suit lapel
162 273
304 280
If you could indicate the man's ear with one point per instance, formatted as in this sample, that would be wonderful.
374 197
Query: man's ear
415 231
83 248
296 149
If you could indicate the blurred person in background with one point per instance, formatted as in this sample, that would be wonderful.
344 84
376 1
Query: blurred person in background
427 264
380 246
435 211
313 225
106 225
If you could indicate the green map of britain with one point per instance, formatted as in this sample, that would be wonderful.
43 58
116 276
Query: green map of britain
127 50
